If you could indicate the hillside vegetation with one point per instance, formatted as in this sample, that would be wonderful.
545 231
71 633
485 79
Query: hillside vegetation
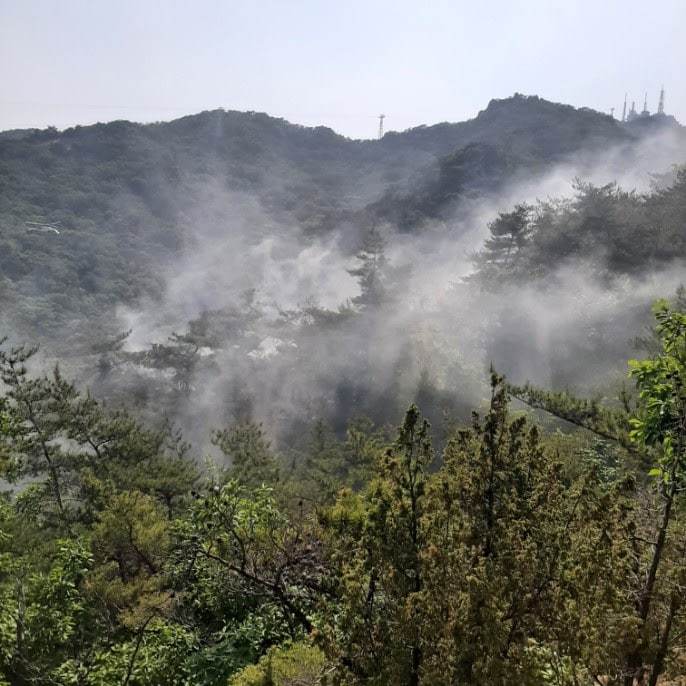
280 408
129 198
519 556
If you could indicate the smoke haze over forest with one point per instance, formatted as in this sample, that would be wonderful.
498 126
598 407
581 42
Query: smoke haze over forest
342 344
283 333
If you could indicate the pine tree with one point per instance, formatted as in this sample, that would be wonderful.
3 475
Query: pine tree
372 270
382 576
654 430
512 558
509 235
248 449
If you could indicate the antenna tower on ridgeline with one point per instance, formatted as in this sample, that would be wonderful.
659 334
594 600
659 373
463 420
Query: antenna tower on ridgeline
624 110
381 118
661 104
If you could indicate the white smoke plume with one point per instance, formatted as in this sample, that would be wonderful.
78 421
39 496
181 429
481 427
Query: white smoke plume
286 369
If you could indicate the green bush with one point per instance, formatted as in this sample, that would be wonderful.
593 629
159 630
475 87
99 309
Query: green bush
297 664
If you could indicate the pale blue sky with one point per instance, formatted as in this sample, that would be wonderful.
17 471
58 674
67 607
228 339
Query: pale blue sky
339 64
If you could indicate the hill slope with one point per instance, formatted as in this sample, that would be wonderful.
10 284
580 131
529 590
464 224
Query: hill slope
129 198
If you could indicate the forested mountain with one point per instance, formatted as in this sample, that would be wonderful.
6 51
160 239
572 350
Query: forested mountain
262 246
127 199
215 328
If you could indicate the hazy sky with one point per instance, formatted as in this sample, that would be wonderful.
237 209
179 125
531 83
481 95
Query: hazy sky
338 64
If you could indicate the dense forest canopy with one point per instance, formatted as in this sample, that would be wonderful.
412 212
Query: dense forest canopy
518 555
280 407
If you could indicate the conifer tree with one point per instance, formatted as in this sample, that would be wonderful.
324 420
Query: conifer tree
508 236
655 431
382 579
507 553
372 270
252 462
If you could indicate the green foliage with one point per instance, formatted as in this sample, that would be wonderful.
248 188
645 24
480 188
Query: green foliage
44 617
296 663
661 382
130 542
76 452
619 232
381 571
656 429
246 574
251 460
509 557
157 656
610 423
516 558
9 429
325 464
372 271
502 250
242 541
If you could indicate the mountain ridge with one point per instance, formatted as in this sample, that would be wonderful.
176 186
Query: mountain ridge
494 107
130 198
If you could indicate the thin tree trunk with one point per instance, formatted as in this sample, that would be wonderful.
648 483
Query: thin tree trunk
634 664
659 664
139 640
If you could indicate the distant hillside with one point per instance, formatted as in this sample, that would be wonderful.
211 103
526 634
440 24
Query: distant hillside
527 123
513 138
17 134
127 198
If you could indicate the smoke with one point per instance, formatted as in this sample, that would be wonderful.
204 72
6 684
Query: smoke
285 346
246 252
